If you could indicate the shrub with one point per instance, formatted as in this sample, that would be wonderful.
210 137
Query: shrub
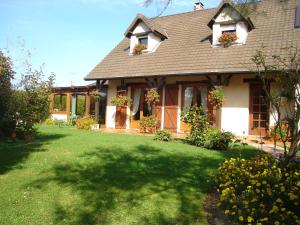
49 121
72 120
84 123
198 121
280 133
259 191
218 140
163 135
148 124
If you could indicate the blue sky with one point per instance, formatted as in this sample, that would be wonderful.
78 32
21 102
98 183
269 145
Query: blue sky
71 36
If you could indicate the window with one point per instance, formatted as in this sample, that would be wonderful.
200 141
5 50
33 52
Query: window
188 97
60 103
297 18
140 107
144 41
195 95
229 31
80 105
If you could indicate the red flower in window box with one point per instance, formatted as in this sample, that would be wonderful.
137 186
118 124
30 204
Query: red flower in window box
226 39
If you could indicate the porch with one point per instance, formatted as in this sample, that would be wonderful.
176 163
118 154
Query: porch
243 112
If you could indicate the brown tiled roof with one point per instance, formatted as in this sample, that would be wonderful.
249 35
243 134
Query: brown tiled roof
188 48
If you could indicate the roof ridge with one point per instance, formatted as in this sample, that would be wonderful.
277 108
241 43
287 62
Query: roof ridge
176 14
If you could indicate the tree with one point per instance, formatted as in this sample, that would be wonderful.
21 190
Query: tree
280 76
6 76
32 100
25 104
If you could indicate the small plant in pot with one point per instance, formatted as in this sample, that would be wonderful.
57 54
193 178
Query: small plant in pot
152 97
121 100
217 97
227 39
138 49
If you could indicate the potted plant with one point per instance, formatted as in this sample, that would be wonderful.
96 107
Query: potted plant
120 101
138 49
217 97
226 39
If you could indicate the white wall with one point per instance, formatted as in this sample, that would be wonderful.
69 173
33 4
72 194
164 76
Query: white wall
235 110
110 109
140 28
63 117
227 15
286 110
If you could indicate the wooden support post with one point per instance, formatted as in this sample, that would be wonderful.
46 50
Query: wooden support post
51 102
97 105
87 104
99 87
68 106
74 102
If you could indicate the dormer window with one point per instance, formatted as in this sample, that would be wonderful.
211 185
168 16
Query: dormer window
145 35
143 41
228 20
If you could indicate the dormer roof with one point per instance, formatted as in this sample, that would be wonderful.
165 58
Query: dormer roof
227 4
153 26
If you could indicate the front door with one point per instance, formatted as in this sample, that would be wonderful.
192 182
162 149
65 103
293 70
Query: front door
121 117
121 114
171 107
259 111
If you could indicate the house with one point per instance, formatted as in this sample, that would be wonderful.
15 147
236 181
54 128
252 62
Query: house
184 59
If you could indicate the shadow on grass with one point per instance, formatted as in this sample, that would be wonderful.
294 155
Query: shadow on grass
140 184
12 154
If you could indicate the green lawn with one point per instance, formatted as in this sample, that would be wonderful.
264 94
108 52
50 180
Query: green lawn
68 176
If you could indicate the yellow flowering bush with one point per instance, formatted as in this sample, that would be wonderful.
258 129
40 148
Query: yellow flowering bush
259 191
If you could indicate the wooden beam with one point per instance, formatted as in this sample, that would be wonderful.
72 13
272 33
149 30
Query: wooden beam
87 104
156 82
68 106
219 81
193 82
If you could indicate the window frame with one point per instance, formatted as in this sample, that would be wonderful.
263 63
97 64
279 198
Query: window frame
194 98
60 108
144 37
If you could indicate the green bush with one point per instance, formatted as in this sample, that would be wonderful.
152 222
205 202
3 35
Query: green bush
84 123
199 123
218 140
259 191
163 135
49 121
148 124
72 120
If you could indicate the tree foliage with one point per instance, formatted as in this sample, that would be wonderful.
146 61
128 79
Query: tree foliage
6 76
280 76
26 104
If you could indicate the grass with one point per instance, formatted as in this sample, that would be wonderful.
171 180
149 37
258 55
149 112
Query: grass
69 176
